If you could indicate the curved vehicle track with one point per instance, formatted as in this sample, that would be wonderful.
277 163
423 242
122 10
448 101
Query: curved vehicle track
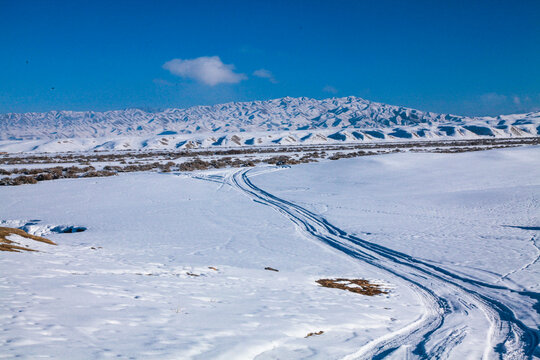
463 319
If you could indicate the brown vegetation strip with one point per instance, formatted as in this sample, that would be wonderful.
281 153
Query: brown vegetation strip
10 245
139 161
104 156
359 286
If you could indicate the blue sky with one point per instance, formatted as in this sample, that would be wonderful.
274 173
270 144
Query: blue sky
461 57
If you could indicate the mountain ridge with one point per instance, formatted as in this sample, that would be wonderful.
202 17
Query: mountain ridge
260 122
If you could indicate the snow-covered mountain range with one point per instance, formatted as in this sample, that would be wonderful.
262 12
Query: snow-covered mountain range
279 121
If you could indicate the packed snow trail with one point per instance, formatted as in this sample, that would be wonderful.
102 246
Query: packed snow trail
463 319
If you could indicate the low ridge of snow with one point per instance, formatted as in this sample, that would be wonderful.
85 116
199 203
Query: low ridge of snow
279 121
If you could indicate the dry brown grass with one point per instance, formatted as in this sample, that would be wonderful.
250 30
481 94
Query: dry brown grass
10 245
314 333
359 286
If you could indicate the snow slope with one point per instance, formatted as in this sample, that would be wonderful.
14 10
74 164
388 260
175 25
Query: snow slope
452 236
280 121
463 229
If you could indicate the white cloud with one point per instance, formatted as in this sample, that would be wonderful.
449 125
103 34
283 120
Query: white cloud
496 104
493 99
265 74
209 70
330 89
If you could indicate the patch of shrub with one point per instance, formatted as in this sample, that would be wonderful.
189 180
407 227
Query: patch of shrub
196 164
281 160
23 179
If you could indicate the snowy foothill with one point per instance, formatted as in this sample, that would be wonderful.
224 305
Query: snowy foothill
172 265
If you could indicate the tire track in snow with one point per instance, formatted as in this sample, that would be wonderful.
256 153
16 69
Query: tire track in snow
533 243
464 318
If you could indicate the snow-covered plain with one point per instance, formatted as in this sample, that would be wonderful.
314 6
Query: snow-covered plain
452 237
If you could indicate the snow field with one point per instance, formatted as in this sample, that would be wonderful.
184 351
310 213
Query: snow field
132 296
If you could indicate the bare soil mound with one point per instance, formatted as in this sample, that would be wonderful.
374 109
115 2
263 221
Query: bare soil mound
10 245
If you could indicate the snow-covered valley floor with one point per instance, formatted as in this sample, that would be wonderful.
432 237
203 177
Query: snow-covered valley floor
172 265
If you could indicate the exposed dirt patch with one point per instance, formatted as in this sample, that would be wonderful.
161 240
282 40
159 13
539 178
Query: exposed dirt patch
314 333
10 245
359 286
